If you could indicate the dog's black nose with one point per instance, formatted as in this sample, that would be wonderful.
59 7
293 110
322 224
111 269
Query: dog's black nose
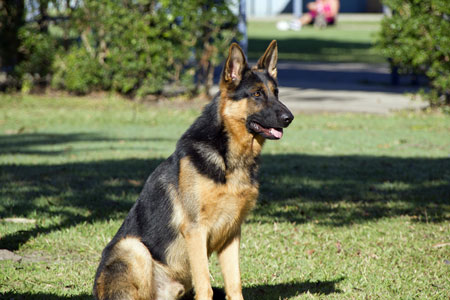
287 118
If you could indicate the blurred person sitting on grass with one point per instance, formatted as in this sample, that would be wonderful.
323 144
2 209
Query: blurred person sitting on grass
321 13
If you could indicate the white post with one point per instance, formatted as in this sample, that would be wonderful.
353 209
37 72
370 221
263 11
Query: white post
298 7
242 25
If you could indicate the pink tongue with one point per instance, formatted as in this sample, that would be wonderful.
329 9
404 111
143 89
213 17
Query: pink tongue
276 133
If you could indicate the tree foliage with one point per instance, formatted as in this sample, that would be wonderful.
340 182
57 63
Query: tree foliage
132 47
416 37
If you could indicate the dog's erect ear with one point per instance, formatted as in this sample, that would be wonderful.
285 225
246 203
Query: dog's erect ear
269 60
235 65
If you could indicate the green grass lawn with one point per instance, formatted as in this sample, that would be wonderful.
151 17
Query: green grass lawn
351 206
348 41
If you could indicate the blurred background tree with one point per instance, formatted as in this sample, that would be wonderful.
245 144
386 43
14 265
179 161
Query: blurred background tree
12 18
415 36
135 48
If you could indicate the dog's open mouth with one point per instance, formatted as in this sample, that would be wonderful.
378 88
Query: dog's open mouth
268 133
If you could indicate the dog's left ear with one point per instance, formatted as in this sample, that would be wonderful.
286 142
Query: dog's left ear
269 60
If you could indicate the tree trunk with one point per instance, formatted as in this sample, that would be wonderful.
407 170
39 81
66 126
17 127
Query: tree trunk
43 16
12 15
205 70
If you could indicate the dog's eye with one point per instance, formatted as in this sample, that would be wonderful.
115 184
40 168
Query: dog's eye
256 94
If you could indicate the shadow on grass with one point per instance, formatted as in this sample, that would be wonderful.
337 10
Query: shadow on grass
259 292
26 143
287 290
76 193
43 296
281 291
369 78
328 190
326 49
342 190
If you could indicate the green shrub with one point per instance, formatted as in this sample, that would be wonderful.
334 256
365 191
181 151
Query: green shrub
132 47
38 50
121 38
214 28
417 39
78 72
144 45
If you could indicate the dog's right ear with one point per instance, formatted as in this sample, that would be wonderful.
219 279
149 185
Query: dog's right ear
234 66
269 60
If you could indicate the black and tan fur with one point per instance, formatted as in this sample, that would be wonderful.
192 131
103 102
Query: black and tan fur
195 202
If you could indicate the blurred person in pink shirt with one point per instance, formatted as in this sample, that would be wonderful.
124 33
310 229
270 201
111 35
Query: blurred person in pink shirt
321 13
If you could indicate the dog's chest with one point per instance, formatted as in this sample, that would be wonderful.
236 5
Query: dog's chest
224 211
220 207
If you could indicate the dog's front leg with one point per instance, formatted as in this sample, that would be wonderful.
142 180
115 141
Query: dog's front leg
229 263
198 260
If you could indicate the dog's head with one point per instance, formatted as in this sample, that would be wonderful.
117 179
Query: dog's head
253 93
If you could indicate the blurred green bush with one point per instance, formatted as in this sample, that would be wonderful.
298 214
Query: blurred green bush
78 72
416 38
38 48
135 48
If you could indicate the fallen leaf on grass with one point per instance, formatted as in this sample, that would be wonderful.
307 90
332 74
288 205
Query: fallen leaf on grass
19 220
339 247
383 146
12 131
135 182
440 245
275 226
310 252
68 149
373 255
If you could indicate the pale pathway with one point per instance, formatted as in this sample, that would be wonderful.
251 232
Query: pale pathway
343 87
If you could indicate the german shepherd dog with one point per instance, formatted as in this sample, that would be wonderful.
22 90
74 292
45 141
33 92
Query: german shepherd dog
195 201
